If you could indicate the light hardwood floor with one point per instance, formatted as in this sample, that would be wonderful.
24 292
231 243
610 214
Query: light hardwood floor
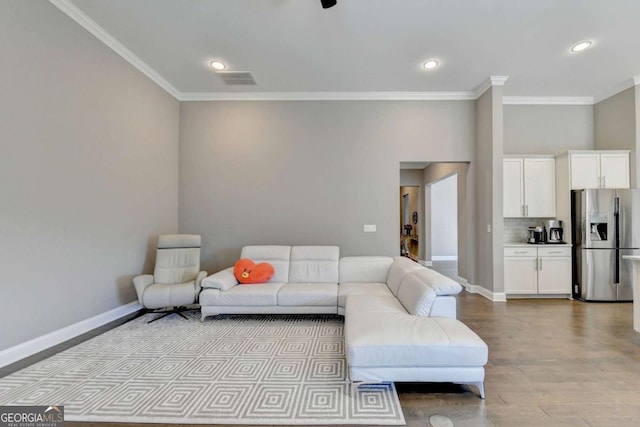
551 363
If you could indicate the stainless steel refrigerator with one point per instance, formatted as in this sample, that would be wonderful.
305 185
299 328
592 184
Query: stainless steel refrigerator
605 225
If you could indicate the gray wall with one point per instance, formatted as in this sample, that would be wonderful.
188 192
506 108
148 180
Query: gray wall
615 126
547 129
444 214
488 172
88 172
307 172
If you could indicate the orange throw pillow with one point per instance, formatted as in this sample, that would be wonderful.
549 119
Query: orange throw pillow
249 273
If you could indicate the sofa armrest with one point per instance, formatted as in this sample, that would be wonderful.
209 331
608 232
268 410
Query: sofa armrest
201 275
141 282
444 306
420 289
222 280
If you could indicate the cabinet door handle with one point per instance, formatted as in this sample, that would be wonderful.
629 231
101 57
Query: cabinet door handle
520 252
604 182
523 214
526 210
555 252
540 262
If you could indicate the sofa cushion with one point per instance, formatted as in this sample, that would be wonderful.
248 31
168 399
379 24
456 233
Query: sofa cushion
363 269
402 340
308 294
420 288
277 256
373 304
259 295
361 289
399 269
314 264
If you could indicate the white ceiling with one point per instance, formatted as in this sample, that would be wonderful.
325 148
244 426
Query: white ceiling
374 45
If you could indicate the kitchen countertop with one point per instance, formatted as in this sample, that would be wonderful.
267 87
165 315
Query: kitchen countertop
536 245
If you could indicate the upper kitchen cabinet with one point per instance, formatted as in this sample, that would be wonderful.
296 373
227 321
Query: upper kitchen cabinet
599 169
529 187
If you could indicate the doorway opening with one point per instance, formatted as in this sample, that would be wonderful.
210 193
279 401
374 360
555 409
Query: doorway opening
409 229
445 219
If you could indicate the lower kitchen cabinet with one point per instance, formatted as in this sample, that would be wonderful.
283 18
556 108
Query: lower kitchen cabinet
537 270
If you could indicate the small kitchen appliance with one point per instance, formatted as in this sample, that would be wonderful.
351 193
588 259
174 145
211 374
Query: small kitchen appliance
556 232
537 234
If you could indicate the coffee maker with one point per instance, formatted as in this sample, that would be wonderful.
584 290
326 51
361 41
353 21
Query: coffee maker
556 231
537 235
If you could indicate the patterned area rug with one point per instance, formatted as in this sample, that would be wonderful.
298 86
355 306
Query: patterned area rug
226 370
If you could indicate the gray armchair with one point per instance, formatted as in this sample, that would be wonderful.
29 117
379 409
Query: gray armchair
175 282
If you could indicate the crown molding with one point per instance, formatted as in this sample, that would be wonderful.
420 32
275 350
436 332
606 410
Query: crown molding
101 34
498 80
73 12
491 81
547 100
327 96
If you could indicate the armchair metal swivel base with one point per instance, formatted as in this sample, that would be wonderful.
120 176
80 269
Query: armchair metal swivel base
175 283
164 313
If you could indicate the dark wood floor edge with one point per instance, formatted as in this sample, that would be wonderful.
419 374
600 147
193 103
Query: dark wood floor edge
41 355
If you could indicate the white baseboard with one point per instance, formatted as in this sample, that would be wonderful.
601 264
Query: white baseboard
36 345
425 262
444 258
474 289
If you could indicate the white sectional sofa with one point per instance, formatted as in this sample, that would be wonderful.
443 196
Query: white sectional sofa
400 317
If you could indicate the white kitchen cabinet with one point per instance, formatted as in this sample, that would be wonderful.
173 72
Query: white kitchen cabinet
537 270
529 187
513 187
599 169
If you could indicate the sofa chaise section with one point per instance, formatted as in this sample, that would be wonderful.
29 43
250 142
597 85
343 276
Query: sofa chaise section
395 340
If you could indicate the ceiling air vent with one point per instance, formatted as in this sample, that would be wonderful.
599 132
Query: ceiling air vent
237 77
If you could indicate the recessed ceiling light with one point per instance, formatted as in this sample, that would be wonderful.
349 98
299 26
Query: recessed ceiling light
581 46
217 65
430 64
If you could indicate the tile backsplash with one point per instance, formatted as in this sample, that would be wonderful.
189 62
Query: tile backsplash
515 229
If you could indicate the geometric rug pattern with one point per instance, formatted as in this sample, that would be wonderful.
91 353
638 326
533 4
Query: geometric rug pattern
229 369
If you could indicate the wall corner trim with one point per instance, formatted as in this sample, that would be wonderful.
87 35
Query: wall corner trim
636 80
491 81
36 345
73 12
